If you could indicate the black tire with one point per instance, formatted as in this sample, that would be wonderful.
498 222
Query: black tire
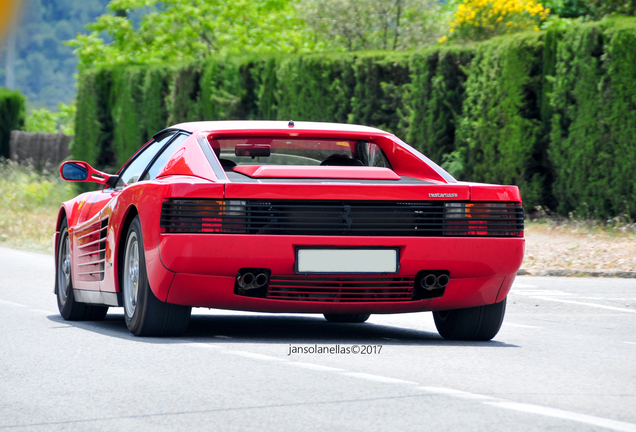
144 313
70 309
479 323
347 318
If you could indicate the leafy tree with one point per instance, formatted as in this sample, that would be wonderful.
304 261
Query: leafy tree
601 8
173 30
44 120
590 9
352 25
568 8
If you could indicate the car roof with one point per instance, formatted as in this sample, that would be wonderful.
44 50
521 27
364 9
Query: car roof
250 125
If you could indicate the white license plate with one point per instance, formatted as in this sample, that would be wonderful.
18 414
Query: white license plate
347 261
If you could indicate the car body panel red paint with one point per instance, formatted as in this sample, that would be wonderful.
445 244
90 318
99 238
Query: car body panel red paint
199 269
482 192
356 191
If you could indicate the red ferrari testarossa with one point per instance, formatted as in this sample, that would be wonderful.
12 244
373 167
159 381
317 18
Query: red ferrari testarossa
272 216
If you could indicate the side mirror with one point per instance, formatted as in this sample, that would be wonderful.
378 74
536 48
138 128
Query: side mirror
77 171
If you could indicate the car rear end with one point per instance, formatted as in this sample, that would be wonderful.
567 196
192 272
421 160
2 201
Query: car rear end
336 221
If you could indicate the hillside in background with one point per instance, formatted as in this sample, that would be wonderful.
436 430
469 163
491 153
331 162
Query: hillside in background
44 67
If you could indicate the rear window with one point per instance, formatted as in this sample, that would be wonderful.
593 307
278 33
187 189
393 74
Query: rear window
299 151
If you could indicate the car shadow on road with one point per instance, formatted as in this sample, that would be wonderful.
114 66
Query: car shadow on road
278 329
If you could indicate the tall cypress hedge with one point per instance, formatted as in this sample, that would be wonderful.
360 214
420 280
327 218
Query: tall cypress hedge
12 111
500 126
434 99
552 112
127 114
593 140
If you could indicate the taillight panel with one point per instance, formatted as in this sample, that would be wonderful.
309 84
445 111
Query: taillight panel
343 218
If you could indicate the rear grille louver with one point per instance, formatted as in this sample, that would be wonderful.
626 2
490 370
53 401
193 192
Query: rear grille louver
91 256
342 218
341 289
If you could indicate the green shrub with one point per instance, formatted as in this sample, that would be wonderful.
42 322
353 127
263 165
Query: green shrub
316 87
380 80
594 122
500 128
223 90
434 99
127 114
93 140
154 96
184 94
12 115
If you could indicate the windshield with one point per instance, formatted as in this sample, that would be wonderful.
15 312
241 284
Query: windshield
299 151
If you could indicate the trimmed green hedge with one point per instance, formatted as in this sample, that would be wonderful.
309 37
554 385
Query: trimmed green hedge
501 125
12 113
593 145
553 113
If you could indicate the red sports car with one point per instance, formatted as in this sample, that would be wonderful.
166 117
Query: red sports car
272 216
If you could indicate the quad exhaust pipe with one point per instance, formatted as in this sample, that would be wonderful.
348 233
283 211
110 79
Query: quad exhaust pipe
261 280
246 280
432 281
252 280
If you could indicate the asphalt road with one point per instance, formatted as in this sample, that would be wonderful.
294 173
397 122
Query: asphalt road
564 360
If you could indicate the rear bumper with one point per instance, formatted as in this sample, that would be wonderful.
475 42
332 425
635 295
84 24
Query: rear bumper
205 267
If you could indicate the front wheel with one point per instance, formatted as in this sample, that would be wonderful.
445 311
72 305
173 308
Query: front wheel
347 318
479 323
144 313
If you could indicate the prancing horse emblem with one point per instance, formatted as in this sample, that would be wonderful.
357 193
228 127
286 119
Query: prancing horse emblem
345 216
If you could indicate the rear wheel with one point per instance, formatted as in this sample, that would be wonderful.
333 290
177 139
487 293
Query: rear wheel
144 313
347 318
479 323
70 309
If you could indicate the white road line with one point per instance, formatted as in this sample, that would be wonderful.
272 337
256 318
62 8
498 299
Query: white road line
443 391
10 303
585 304
315 367
542 293
520 285
520 325
44 311
377 378
631 343
255 356
534 409
621 299
25 254
455 393
566 415
204 345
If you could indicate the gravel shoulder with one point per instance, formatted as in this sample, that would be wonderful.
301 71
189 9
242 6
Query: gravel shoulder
572 251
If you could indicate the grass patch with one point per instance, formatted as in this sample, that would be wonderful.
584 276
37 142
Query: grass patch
29 202
616 228
620 227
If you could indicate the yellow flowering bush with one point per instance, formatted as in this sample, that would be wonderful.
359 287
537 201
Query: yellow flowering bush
483 19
